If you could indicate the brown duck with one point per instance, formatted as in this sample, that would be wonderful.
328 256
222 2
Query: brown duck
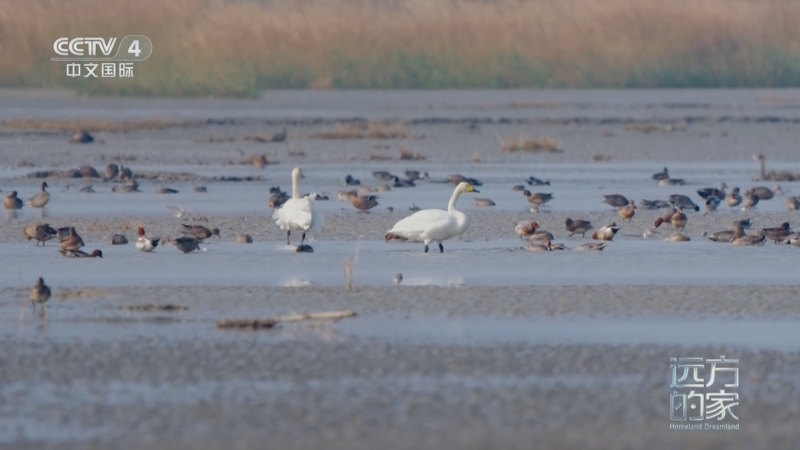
364 203
627 212
40 232
72 241
11 201
200 232
81 254
578 226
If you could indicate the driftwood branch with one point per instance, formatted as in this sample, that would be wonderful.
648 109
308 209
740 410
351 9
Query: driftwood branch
272 321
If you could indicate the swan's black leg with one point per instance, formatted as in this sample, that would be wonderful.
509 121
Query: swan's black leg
441 248
426 248
288 233
304 238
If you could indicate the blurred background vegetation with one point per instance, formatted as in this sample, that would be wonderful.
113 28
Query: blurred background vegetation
239 47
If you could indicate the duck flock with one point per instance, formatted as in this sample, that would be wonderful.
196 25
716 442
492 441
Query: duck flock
296 212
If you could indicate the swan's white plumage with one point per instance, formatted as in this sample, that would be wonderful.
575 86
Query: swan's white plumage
298 214
434 225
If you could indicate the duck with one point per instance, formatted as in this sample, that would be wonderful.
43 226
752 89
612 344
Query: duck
125 173
117 239
72 241
711 204
144 243
483 202
615 200
111 172
544 246
456 179
383 175
433 225
793 203
244 239
733 199
130 186
705 193
344 196
653 204
518 188
720 236
415 175
678 237
87 190
666 217
200 232
398 183
578 226
628 211
749 202
88 172
185 244
778 234
165 190
533 181
200 189
81 254
297 214
679 219
277 199
39 293
591 246
11 201
279 136
537 199
744 223
81 137
671 182
606 233
363 203
661 175
350 181
793 239
764 193
41 232
740 239
683 201
526 229
41 199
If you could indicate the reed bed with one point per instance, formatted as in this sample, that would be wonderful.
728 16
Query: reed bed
238 47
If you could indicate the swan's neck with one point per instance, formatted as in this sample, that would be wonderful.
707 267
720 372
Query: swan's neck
451 207
295 192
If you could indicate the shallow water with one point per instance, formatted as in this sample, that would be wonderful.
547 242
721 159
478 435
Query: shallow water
752 334
492 263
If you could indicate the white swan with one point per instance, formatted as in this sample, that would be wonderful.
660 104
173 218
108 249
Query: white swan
433 225
297 214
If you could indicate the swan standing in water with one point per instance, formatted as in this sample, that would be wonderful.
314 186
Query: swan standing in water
433 225
297 213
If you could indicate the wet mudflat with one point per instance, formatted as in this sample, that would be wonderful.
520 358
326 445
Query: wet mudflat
484 346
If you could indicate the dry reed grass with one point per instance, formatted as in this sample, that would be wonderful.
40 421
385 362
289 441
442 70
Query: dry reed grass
528 145
373 130
235 47
408 155
342 131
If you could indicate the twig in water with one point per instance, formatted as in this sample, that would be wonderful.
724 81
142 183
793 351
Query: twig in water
272 321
